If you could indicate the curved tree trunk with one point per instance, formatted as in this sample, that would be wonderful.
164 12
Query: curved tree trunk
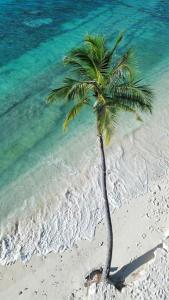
106 268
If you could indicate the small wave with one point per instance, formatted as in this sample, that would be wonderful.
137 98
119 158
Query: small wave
36 23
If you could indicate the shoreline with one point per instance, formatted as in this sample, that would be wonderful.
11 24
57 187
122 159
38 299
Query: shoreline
134 161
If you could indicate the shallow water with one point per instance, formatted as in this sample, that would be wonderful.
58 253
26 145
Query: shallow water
34 38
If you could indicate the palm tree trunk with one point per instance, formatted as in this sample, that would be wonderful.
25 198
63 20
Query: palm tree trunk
107 265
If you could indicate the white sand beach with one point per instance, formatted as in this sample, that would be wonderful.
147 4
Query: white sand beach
139 226
138 185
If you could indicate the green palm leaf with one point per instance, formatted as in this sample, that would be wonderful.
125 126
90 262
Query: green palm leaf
73 113
59 93
117 43
134 95
123 107
125 67
106 60
97 46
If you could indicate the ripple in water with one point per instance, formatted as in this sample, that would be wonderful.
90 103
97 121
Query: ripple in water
36 23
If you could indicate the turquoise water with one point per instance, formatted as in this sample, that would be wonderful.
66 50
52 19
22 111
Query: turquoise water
35 35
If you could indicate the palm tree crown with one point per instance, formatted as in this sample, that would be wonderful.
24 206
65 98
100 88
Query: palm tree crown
102 82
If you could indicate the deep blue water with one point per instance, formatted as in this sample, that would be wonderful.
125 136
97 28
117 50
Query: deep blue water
34 37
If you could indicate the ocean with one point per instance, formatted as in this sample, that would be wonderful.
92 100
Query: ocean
38 160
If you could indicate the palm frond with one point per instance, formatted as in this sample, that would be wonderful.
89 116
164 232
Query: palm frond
117 43
82 63
73 113
58 94
97 46
107 135
102 118
106 121
102 57
71 90
83 56
100 54
134 95
111 126
108 54
122 106
77 66
125 67
77 89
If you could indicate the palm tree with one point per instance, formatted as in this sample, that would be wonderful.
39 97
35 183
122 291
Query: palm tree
105 83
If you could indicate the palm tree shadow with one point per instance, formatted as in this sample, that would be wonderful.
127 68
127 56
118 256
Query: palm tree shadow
118 278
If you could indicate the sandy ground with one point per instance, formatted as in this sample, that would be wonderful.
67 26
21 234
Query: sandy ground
139 226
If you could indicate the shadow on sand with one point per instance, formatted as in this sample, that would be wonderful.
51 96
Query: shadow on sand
118 279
